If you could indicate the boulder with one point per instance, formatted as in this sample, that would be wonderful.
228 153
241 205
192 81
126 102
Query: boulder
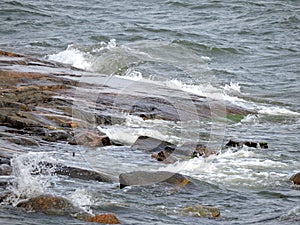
147 178
48 204
92 139
295 178
201 211
149 144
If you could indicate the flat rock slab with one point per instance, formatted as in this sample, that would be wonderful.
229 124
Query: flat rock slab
146 178
73 172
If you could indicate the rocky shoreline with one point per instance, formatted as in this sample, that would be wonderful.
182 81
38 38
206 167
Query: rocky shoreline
38 108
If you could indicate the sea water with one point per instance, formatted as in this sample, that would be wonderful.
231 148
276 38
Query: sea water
239 52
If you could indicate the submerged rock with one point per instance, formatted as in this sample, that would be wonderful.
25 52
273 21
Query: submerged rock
201 211
147 178
295 178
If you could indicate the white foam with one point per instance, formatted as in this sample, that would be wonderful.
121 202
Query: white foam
292 215
132 75
243 168
232 87
82 199
206 58
103 46
128 135
80 59
251 118
205 90
72 56
275 110
25 184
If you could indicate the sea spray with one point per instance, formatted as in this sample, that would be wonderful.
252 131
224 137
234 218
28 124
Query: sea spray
82 199
26 184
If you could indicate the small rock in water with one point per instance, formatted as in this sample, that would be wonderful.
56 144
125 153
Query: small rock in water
201 211
239 144
164 154
5 170
108 218
295 178
161 156
48 204
149 144
92 139
203 151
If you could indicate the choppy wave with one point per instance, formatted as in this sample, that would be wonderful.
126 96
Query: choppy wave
128 62
234 169
71 56
79 57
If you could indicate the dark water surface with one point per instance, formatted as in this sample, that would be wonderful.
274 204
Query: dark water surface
247 52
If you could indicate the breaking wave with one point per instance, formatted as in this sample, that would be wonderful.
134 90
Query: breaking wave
181 64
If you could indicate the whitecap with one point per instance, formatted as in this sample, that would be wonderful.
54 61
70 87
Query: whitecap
275 110
71 56
131 74
243 168
232 87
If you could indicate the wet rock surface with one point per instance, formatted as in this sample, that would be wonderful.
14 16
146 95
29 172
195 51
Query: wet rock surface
147 178
55 205
48 204
73 172
108 218
44 105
